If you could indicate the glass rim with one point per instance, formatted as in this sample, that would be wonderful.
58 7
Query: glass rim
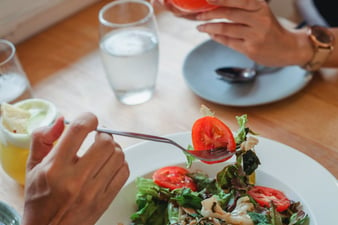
11 47
9 213
117 2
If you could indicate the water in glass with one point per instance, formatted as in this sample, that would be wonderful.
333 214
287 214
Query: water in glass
13 87
130 59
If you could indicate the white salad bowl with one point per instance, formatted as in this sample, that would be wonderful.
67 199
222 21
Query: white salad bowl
300 177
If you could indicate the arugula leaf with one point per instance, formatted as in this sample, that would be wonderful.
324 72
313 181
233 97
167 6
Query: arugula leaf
185 197
232 177
259 219
242 130
173 213
204 183
299 218
190 158
250 162
276 218
225 199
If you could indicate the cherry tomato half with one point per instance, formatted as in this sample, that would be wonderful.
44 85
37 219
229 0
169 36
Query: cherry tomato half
173 177
265 195
209 132
192 6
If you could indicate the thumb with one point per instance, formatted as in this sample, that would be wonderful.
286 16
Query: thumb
42 142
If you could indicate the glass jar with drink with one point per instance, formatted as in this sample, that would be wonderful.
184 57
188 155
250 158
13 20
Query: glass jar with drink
14 85
17 123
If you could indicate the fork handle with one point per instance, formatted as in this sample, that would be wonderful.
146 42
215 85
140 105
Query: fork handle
136 135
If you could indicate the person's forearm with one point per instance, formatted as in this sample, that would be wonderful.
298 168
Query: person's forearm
332 61
302 50
298 48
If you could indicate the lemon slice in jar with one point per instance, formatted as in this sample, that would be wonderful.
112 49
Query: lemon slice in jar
25 116
14 119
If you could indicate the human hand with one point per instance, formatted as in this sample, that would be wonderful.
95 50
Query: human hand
254 31
64 188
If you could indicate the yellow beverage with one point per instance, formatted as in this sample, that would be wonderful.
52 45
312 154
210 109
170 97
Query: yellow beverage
16 127
13 160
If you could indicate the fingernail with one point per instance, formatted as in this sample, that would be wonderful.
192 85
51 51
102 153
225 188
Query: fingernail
199 28
199 17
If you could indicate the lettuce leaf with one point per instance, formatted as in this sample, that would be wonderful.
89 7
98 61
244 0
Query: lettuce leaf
243 130
152 202
185 197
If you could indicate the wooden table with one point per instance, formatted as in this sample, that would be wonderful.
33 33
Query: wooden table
64 66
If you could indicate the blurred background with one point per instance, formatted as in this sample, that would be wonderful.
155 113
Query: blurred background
20 19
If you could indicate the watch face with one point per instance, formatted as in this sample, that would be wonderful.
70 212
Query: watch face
322 35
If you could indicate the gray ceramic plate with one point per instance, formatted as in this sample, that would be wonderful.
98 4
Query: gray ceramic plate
8 215
199 73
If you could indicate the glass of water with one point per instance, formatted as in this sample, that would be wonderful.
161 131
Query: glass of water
129 49
14 85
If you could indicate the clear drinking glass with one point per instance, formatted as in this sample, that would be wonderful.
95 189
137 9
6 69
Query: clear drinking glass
129 49
14 85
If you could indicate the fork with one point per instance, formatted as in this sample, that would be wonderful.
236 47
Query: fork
209 155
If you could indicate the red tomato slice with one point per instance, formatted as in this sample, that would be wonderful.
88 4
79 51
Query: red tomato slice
265 195
209 132
192 6
173 177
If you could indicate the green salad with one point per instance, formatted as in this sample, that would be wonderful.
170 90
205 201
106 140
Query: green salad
177 196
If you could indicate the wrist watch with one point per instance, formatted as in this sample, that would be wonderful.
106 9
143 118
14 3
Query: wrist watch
323 42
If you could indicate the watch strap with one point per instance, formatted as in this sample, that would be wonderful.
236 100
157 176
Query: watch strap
319 57
322 41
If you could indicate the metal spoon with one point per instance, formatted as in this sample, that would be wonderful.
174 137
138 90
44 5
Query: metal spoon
243 75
